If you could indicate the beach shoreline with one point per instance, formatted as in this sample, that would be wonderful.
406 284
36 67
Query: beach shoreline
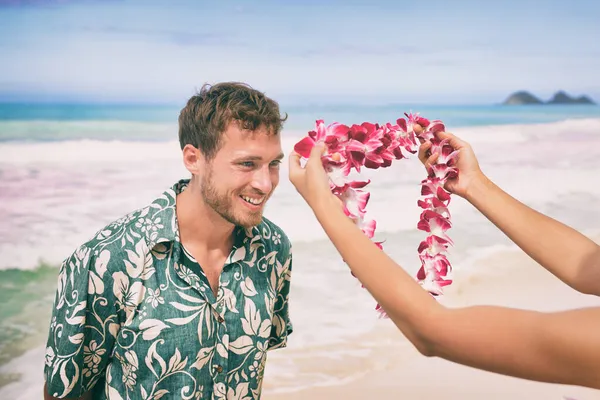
56 195
507 278
381 363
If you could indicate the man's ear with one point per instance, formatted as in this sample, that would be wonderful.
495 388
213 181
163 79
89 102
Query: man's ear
193 159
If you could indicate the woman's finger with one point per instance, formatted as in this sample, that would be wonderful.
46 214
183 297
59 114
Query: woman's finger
314 160
452 140
431 160
294 166
423 151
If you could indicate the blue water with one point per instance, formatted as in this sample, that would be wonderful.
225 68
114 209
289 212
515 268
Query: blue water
51 122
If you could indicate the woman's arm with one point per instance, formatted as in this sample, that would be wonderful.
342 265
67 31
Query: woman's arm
566 253
550 347
561 347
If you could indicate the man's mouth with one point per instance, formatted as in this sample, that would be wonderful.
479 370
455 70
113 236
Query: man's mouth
255 201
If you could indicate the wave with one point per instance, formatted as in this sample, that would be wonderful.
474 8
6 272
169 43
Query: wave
56 131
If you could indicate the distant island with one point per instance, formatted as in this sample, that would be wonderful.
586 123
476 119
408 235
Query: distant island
560 97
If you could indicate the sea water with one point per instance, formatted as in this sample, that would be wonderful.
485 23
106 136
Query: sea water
67 170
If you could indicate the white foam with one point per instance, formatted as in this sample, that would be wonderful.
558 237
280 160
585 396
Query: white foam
54 195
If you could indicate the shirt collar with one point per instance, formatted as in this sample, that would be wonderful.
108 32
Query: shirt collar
169 232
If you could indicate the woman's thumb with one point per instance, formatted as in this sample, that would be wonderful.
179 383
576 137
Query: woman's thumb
317 151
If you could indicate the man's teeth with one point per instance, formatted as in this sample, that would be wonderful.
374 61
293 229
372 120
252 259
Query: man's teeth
253 201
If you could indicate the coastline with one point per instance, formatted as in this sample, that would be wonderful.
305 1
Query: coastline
59 186
395 369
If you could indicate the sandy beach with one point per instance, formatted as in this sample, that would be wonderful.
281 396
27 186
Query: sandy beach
56 197
393 369
384 365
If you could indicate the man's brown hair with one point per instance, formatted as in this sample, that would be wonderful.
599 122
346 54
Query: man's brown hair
207 115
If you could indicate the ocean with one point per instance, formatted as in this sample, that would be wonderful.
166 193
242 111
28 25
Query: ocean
67 170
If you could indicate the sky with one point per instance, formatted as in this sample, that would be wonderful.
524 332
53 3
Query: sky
436 51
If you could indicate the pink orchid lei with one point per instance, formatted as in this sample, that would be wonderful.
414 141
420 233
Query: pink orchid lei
375 146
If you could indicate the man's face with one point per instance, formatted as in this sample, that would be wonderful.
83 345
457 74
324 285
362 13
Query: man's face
241 177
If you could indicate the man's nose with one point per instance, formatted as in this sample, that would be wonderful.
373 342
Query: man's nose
262 180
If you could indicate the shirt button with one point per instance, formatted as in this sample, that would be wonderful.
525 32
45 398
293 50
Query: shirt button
220 319
219 369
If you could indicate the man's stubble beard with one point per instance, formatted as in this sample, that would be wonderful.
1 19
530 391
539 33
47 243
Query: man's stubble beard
223 205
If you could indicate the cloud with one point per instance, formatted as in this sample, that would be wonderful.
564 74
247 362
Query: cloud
181 38
48 3
345 49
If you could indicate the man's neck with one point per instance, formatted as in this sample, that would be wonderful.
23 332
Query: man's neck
200 225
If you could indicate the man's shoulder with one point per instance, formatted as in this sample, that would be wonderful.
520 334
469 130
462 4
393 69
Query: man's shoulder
138 230
275 235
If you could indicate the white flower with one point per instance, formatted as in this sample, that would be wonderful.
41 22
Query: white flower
130 367
253 369
124 220
49 356
276 238
154 297
187 274
148 225
261 348
92 355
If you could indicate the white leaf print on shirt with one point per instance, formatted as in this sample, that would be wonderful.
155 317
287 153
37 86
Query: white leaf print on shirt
140 261
230 300
128 297
251 323
251 320
102 263
240 392
95 284
152 328
77 320
241 345
248 287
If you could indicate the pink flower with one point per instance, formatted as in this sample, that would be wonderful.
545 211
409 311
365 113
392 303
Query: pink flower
367 226
434 272
376 146
361 148
433 245
447 155
435 224
355 201
332 136
436 205
442 171
435 186
437 262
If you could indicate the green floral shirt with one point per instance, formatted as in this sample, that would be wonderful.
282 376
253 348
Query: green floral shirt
135 317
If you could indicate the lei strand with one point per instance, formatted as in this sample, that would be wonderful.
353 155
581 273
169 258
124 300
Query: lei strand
375 146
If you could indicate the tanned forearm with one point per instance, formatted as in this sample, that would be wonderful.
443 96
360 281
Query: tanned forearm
566 253
561 347
406 303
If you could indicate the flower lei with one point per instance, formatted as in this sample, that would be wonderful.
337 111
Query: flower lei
375 146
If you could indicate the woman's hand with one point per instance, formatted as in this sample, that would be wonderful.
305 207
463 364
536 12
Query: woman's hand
311 181
469 172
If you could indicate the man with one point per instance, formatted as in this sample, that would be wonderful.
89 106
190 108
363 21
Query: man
182 298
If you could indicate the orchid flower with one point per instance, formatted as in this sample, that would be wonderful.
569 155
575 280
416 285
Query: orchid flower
376 146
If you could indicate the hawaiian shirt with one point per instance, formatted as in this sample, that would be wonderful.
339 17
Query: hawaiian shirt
135 318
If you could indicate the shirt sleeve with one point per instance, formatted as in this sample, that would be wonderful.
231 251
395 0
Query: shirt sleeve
84 324
282 325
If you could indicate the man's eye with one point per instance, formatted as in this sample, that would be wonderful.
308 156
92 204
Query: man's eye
247 164
276 163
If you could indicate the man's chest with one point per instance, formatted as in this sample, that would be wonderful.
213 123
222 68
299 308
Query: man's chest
205 265
182 335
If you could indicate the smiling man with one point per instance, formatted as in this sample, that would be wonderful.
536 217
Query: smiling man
184 297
